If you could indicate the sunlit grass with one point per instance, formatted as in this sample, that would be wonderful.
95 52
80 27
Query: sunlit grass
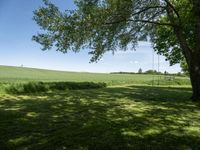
131 117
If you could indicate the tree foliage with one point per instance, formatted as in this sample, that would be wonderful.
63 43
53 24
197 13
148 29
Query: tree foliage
166 42
184 67
172 26
140 71
100 25
109 25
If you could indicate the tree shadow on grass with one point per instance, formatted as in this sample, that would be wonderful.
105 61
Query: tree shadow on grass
134 117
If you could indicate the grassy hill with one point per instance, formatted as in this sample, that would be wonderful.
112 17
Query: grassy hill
10 74
130 115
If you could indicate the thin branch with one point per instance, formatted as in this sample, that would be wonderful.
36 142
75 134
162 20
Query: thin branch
140 20
147 8
173 8
154 22
179 34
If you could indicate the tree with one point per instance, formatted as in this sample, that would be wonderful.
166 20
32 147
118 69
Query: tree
172 26
151 72
140 71
184 67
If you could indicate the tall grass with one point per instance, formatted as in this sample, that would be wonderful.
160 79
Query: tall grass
36 87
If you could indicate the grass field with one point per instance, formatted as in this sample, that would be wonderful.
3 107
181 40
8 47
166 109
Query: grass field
19 74
129 114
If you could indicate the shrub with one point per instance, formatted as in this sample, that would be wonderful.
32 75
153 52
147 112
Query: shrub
75 85
36 87
30 87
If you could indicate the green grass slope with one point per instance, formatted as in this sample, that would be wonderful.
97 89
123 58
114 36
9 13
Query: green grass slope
114 118
10 74
128 115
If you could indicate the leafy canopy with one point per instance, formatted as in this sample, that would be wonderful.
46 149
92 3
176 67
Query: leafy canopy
110 25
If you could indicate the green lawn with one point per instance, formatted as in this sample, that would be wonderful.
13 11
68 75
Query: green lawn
119 118
129 114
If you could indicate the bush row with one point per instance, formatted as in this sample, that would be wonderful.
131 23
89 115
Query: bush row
36 87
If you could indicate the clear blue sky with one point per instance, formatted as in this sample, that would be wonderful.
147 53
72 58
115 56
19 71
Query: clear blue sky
16 46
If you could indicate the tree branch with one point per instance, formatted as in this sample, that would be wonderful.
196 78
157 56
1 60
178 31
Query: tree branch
179 34
147 8
154 22
195 9
173 8
144 21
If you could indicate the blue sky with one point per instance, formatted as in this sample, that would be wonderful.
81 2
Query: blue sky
17 48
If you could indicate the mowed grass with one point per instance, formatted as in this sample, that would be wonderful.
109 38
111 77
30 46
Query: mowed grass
129 114
114 118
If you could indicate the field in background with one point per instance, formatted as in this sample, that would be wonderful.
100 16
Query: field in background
19 74
128 114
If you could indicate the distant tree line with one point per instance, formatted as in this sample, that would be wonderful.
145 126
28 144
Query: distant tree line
151 72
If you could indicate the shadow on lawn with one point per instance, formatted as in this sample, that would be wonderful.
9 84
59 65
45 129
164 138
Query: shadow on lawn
117 118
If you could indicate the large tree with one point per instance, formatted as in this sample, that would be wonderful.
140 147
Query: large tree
173 27
184 67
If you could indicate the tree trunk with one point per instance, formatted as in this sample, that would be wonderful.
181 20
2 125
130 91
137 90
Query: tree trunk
194 69
191 53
